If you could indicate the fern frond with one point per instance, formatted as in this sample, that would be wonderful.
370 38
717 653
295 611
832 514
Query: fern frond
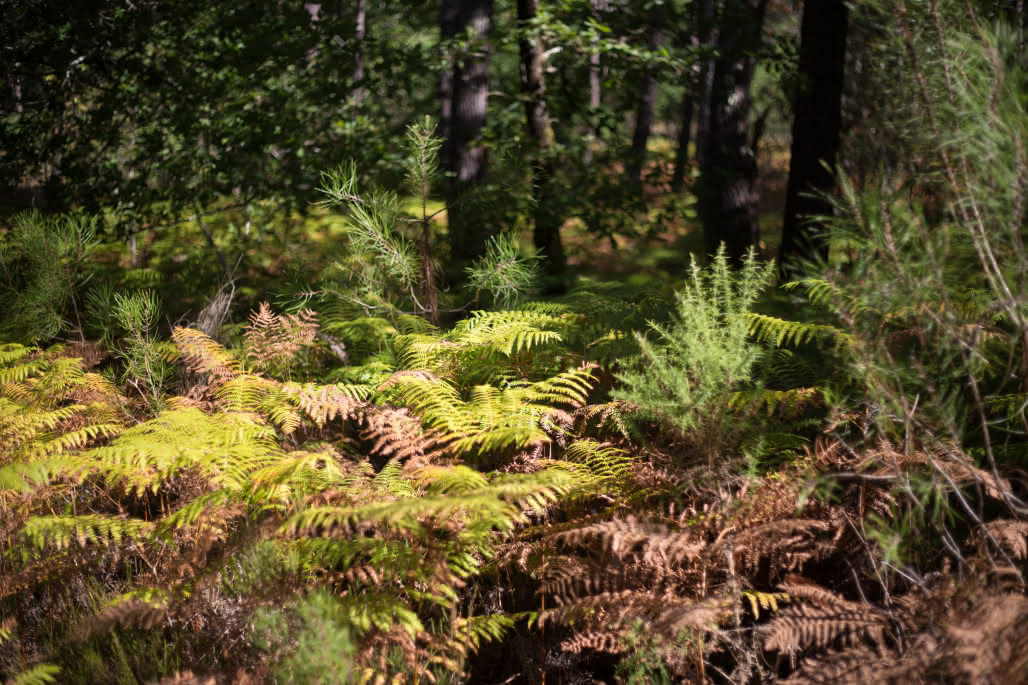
60 531
40 674
779 332
788 402
204 355
819 618
764 600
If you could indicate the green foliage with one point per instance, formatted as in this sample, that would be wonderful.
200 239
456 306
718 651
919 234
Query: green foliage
309 645
780 332
685 378
381 256
391 268
503 272
372 491
643 663
42 262
403 541
486 347
39 674
145 368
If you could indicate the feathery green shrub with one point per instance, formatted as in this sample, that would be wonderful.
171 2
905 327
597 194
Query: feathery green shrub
684 377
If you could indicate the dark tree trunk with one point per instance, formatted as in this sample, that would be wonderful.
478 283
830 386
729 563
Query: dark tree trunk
1020 27
360 28
727 198
706 80
466 161
546 233
647 101
701 20
684 134
815 131
447 30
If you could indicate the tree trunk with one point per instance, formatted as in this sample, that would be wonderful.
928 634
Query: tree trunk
447 30
700 30
727 198
466 161
594 84
358 57
815 131
684 134
546 233
710 9
647 102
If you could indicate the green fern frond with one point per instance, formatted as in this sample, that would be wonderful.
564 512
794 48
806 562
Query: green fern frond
26 476
829 295
779 332
381 611
786 401
59 532
225 447
193 510
609 464
499 505
40 674
484 347
474 630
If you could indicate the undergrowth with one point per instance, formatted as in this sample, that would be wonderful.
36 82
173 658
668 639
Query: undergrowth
381 480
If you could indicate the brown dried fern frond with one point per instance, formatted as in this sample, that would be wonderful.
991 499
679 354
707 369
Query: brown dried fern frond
653 543
595 640
568 579
855 665
273 340
823 619
787 544
981 643
665 615
395 433
128 613
987 642
1010 535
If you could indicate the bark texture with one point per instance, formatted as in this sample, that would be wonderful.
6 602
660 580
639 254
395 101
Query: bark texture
547 218
701 18
466 161
727 198
647 100
815 132
359 32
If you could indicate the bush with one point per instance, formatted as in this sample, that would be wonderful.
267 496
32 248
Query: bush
685 377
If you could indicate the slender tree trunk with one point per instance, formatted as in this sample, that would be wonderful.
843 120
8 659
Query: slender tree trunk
684 134
1020 27
594 80
700 30
546 233
647 101
706 78
360 29
594 83
815 131
447 30
466 163
727 198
